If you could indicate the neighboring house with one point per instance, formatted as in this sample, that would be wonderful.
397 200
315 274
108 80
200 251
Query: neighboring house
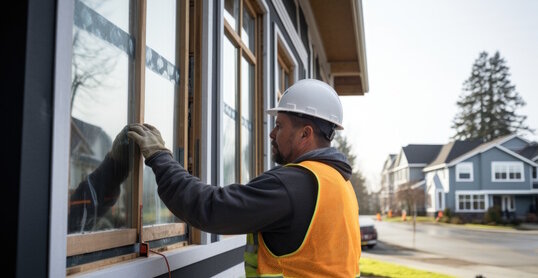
386 193
469 177
203 72
406 171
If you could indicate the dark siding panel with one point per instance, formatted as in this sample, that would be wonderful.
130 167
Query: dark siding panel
33 210
11 107
291 8
275 20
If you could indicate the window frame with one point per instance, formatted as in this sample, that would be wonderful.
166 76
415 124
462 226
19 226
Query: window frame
460 167
471 200
506 166
283 59
254 59
80 244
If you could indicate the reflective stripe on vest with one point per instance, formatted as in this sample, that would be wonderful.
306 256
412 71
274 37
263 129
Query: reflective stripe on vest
331 246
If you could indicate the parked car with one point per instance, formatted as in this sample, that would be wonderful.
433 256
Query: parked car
368 231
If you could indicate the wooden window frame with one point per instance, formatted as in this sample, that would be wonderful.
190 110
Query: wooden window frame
257 99
78 244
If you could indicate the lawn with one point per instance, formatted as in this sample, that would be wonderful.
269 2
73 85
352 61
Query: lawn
375 268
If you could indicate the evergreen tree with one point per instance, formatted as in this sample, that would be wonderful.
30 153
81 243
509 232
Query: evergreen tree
357 179
488 104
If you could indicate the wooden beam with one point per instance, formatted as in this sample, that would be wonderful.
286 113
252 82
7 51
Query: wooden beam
163 231
140 85
91 242
344 68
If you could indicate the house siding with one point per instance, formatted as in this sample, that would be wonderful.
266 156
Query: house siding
523 203
515 144
477 178
416 174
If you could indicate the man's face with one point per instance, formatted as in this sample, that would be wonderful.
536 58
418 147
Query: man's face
284 139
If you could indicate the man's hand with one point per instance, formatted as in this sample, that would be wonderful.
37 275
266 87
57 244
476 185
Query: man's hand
148 138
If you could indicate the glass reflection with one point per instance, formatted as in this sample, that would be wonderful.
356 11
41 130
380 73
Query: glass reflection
230 116
99 196
247 93
159 111
231 13
247 34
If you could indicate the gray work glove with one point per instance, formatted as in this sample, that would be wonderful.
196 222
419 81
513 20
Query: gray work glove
148 138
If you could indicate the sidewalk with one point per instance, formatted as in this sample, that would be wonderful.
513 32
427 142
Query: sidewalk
437 263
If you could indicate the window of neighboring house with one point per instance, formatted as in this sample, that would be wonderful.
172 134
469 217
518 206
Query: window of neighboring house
239 72
534 175
464 172
507 171
105 190
471 202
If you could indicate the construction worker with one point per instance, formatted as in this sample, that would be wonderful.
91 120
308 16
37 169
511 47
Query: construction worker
302 217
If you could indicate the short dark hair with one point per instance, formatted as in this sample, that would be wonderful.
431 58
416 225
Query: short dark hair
323 130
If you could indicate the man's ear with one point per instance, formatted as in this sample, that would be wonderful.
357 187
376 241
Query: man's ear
307 131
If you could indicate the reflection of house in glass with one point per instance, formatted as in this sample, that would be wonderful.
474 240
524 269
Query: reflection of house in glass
89 145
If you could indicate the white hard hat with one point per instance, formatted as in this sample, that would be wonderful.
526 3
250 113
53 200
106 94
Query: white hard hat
313 98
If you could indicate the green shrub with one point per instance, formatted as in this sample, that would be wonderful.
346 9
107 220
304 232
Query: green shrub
447 213
493 216
455 220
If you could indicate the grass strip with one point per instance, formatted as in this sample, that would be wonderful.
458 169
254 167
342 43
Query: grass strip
375 268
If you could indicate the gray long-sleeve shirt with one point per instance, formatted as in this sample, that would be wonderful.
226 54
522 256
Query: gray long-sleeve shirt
279 203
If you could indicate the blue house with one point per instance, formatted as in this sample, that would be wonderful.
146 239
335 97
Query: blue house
468 178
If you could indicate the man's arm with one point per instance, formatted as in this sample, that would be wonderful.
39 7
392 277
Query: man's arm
261 205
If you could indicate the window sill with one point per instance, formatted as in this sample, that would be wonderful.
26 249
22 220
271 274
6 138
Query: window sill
155 265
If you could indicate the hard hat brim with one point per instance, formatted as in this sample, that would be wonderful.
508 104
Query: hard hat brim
274 111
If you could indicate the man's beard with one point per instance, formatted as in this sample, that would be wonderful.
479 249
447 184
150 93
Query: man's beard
277 156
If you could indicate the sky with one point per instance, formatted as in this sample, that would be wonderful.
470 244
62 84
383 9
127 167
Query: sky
418 55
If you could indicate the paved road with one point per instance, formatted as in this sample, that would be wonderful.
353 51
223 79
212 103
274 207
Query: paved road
460 251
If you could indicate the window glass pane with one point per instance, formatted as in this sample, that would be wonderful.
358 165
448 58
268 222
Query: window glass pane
159 112
247 94
159 97
248 32
99 191
230 116
231 13
161 28
465 176
467 201
115 11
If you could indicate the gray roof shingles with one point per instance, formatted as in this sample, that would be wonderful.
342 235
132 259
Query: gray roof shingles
421 153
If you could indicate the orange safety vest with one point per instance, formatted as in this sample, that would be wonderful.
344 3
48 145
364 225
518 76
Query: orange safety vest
332 244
